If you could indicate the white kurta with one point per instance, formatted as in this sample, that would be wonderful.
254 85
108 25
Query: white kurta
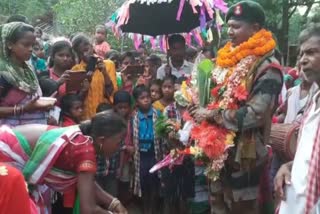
296 192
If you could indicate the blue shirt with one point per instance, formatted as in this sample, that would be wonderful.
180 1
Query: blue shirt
38 64
146 132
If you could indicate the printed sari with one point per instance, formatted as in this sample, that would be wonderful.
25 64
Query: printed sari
53 163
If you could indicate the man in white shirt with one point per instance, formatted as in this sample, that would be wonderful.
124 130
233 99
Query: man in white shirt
297 183
177 65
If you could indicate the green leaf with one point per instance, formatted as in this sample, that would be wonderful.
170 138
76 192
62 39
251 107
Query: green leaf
205 68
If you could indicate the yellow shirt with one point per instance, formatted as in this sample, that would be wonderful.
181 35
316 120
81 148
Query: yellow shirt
96 93
158 106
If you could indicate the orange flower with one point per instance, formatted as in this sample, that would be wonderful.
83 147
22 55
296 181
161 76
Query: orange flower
258 45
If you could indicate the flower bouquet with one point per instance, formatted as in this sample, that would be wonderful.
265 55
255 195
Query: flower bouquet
213 142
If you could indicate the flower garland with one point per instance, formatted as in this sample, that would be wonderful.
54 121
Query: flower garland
258 45
229 90
212 141
233 67
234 90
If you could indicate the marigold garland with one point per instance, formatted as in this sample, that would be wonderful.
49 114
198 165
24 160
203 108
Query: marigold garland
233 65
258 45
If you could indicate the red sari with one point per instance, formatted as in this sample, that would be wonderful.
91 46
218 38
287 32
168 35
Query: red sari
68 153
14 195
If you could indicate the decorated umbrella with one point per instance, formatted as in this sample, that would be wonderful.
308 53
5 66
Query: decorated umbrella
165 17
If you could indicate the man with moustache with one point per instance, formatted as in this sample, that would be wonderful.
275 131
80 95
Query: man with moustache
298 182
247 81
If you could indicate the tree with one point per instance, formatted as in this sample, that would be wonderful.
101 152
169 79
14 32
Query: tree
29 8
83 15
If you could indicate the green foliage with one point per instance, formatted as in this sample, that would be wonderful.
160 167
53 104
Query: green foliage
83 15
297 23
162 128
29 8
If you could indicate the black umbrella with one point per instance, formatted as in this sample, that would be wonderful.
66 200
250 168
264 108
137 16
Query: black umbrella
161 18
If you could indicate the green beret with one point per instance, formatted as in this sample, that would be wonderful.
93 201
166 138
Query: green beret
248 11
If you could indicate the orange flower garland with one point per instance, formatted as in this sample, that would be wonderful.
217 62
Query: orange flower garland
258 45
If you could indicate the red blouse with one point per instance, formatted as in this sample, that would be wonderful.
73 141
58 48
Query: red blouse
62 89
78 156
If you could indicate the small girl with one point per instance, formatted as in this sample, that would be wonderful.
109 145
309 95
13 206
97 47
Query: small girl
155 90
167 89
71 110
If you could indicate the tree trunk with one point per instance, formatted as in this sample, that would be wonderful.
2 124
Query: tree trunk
284 37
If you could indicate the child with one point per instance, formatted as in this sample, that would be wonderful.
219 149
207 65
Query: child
114 56
122 105
124 81
71 110
147 151
167 89
155 90
178 182
150 69
38 57
208 52
71 114
101 46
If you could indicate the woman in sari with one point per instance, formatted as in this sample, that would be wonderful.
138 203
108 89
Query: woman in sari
63 159
103 80
19 87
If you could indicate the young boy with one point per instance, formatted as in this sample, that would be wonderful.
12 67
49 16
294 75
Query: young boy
122 106
147 150
101 46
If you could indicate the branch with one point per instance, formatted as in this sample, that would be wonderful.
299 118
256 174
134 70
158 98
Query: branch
307 11
293 11
303 3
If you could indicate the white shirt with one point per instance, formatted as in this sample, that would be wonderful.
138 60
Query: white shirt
296 192
184 70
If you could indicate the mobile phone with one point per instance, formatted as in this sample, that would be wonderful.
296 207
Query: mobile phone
76 78
134 71
91 66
